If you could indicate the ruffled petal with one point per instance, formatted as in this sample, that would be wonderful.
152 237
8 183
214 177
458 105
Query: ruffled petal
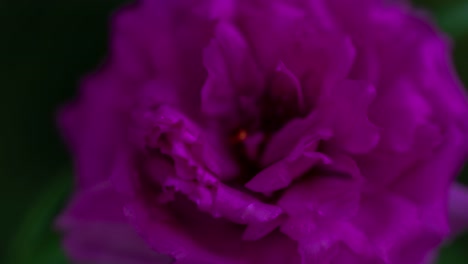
400 230
190 236
399 112
93 127
441 167
326 197
233 75
177 136
282 173
168 234
346 110
181 142
282 143
383 166
96 231
458 208
330 241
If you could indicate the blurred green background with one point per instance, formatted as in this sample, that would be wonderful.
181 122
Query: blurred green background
45 47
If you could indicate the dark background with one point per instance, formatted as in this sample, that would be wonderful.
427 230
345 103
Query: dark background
45 47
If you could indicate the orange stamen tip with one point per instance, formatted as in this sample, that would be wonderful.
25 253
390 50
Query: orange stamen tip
242 135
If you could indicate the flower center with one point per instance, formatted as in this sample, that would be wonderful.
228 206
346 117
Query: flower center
281 102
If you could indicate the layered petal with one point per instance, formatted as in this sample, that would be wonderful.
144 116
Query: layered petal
282 173
96 231
345 108
191 236
458 206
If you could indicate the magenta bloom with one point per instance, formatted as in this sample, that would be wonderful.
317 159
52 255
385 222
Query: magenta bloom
266 131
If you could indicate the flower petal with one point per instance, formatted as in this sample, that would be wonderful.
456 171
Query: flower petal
401 230
96 231
441 167
232 74
190 236
324 196
458 207
280 174
346 110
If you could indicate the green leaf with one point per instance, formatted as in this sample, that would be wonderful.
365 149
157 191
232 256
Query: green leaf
454 253
454 19
36 242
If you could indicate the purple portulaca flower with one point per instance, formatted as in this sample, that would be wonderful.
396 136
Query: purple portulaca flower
267 131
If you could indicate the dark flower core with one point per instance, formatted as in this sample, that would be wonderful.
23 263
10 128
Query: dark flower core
280 103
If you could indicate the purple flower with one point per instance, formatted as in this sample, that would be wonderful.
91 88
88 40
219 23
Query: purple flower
266 131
